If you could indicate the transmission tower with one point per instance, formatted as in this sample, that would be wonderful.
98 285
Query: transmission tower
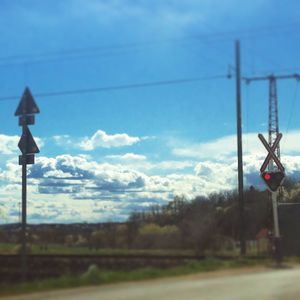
273 124
273 119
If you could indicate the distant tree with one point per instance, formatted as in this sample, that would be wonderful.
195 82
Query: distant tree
153 236
69 240
3 236
97 239
199 225
121 236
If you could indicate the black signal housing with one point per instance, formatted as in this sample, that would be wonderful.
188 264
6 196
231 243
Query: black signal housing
273 179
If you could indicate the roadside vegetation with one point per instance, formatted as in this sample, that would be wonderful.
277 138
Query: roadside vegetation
96 276
206 226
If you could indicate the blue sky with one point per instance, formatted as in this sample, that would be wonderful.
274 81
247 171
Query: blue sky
105 154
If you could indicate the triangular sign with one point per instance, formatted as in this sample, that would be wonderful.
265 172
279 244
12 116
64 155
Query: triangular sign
27 144
27 105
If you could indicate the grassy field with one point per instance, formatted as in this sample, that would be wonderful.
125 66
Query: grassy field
95 276
6 248
9 248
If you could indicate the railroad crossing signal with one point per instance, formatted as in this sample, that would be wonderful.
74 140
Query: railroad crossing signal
271 153
272 179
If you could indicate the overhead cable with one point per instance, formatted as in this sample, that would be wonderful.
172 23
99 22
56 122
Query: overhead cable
121 87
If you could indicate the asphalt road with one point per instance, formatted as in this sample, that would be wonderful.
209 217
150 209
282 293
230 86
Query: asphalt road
239 285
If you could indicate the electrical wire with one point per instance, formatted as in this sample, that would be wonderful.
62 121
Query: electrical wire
268 72
121 87
259 31
35 61
292 107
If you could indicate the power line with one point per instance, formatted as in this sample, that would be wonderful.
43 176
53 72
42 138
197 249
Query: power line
76 56
266 30
265 71
292 107
121 87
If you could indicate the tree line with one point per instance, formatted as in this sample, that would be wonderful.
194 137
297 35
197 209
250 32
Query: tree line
201 224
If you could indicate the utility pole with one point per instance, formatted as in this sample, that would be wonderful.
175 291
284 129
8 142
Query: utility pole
273 136
19 212
240 149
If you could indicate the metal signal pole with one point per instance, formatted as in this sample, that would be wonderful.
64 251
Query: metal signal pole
240 149
25 111
24 212
273 134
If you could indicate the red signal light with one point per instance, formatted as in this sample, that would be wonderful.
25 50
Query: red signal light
273 179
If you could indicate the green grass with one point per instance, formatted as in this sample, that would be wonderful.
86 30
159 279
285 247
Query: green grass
6 248
95 276
10 248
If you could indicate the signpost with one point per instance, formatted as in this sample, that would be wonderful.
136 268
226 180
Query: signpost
25 111
273 180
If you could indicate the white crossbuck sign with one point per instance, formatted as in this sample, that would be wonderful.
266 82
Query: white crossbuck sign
271 154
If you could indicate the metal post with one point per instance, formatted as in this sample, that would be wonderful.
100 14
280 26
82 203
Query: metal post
20 218
239 149
24 213
275 214
25 111
277 240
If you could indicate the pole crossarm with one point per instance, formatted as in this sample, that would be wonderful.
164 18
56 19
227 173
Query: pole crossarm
271 77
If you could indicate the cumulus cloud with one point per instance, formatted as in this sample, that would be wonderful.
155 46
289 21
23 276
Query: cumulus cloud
172 165
226 147
66 170
128 157
64 140
86 179
140 162
9 144
111 189
221 174
103 140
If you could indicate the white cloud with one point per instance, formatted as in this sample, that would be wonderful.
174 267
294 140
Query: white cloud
64 140
221 174
217 148
127 182
140 162
172 165
128 157
9 144
225 147
86 179
104 140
